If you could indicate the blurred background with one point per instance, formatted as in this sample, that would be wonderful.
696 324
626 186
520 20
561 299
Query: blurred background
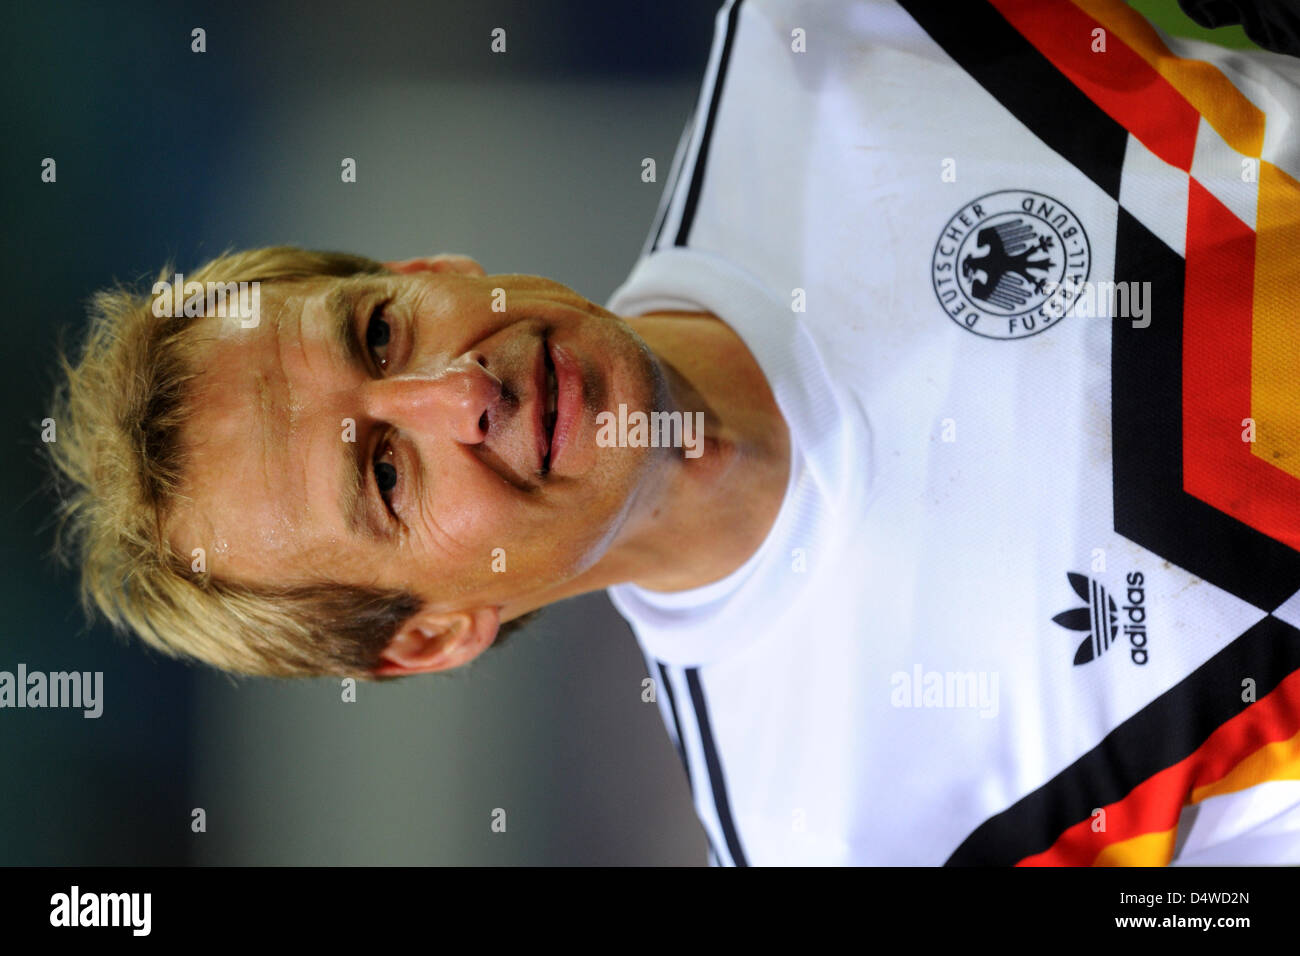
529 161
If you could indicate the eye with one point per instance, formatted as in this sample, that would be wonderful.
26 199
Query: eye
378 332
386 476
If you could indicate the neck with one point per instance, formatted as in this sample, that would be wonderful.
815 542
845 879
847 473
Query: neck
698 519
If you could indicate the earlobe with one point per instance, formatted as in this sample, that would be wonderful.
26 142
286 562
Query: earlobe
443 262
430 642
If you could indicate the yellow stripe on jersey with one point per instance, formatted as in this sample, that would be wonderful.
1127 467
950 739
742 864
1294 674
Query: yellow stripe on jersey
1279 760
1275 333
1149 849
1232 115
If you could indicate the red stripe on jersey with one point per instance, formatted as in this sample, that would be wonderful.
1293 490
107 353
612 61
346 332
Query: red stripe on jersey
1218 465
1117 80
1153 806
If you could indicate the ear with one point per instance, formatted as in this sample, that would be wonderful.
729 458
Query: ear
443 262
436 641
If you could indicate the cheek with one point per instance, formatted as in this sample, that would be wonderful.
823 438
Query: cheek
469 515
574 539
542 541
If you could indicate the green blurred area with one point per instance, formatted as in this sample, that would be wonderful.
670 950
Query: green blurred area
1167 16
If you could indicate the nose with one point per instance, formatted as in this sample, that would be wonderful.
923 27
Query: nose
455 400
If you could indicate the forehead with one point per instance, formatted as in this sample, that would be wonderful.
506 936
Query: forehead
247 486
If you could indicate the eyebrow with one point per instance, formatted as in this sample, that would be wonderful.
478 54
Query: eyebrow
354 500
340 308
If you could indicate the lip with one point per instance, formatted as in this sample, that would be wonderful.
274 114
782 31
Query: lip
543 440
568 400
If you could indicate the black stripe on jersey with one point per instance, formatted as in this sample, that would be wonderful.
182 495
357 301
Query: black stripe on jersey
1161 734
1151 507
714 767
702 154
670 189
677 724
1027 85
667 684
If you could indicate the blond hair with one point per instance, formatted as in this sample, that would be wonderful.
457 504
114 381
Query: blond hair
120 409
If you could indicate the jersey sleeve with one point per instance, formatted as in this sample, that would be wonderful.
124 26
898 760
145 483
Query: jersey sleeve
1259 825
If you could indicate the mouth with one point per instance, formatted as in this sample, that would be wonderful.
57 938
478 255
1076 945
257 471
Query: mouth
546 402
552 403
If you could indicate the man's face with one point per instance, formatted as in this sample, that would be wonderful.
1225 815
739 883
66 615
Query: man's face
394 431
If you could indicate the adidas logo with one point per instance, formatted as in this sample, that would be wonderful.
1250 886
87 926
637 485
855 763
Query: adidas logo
1099 618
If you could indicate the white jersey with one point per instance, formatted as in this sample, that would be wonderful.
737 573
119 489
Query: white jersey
1022 276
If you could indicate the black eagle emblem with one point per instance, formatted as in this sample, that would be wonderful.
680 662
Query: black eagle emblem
1006 281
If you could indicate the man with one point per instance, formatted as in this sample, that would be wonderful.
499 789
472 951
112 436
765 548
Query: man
988 551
